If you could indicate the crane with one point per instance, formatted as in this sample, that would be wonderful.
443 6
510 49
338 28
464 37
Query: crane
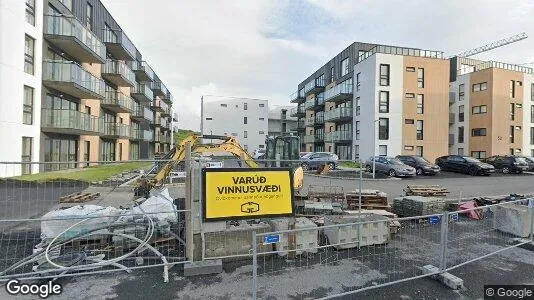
493 45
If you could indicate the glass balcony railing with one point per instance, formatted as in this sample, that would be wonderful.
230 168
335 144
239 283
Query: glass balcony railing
136 133
142 92
159 88
337 114
340 92
116 130
117 101
148 114
143 71
295 111
68 34
72 79
161 106
69 121
314 85
148 135
300 124
319 137
119 44
338 136
118 72
319 119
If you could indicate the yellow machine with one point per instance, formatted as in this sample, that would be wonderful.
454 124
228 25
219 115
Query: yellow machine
177 154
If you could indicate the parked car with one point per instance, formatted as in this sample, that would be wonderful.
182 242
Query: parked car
258 153
530 162
508 163
301 154
464 164
390 166
313 160
421 165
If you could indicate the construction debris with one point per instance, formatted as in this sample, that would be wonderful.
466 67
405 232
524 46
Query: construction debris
394 225
78 197
411 206
426 190
371 199
326 193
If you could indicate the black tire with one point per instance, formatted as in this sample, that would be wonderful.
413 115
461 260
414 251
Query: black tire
419 171
392 173
506 170
473 171
305 166
369 169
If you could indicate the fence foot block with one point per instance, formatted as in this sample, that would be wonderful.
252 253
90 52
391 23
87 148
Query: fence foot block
203 267
527 244
446 278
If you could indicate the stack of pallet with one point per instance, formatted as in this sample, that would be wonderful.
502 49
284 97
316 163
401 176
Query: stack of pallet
371 199
426 190
331 194
410 206
79 197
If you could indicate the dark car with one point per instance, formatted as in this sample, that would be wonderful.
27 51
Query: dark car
508 163
315 159
530 162
464 164
421 165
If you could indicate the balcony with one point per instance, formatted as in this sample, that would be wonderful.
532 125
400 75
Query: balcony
298 112
118 72
142 93
339 114
72 122
72 79
319 137
314 86
168 98
141 113
143 72
148 135
297 97
116 131
452 98
451 139
117 102
300 125
319 120
119 45
160 106
309 139
69 35
452 118
136 134
156 122
159 88
338 94
340 136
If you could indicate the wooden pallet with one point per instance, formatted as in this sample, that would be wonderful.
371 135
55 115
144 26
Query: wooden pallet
79 197
425 190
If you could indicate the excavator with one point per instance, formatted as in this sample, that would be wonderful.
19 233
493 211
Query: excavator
229 144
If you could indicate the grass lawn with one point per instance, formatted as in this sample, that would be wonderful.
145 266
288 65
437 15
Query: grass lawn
88 174
350 164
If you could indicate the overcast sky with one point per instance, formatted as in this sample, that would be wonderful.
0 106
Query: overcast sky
263 49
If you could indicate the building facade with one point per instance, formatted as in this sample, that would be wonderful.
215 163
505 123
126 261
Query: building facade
78 90
244 118
491 108
280 122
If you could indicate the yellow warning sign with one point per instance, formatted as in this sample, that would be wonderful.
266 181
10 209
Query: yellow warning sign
247 193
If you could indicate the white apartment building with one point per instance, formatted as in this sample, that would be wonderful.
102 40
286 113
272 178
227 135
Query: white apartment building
244 118
280 122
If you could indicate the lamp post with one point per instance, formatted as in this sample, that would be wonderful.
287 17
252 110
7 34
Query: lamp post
374 146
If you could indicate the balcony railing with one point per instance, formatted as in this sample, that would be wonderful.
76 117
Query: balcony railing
72 79
143 72
339 93
451 139
69 122
301 125
117 101
148 135
314 85
69 35
142 93
319 119
338 114
297 111
114 130
119 45
159 88
148 114
164 123
452 97
319 137
297 97
136 133
162 107
309 139
452 118
168 98
400 51
118 72
338 136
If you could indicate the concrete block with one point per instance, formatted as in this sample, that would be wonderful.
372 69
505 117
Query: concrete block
451 281
429 269
235 239
203 267
306 240
513 218
346 237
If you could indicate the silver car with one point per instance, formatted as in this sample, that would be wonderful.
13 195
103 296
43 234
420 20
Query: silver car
390 166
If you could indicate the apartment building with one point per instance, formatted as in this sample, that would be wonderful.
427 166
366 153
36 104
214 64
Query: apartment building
244 118
74 88
491 108
370 100
280 122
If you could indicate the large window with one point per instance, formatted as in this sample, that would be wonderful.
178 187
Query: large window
512 89
27 106
512 111
477 87
532 135
357 130
245 134
332 74
383 129
383 150
420 130
26 155
89 16
383 104
478 154
358 82
420 104
482 109
29 50
134 151
245 120
460 134
512 134
461 113
60 150
384 75
245 106
107 150
532 114
420 77
358 106
532 92
419 150
30 12
478 132
461 92
345 66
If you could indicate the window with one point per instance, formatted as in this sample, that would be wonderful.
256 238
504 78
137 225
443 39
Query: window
383 129
512 111
27 106
89 16
245 134
410 95
532 114
478 132
30 12
345 66
419 150
261 146
461 113
357 130
209 119
319 81
460 134
262 105
262 119
532 135
358 106
223 105
245 106
409 148
383 150
409 121
512 134
461 151
420 130
384 75
28 54
245 120
420 77
532 92
420 104
461 92
477 87
482 109
358 82
357 151
261 132
26 154
383 103
410 69
332 74
512 89
478 154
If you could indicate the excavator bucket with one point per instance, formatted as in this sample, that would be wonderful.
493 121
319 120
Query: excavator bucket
298 178
322 170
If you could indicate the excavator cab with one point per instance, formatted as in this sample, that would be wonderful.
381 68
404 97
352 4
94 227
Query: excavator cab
285 148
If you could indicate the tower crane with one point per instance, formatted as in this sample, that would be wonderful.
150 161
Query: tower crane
493 45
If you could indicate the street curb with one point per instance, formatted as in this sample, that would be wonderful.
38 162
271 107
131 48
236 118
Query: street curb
353 178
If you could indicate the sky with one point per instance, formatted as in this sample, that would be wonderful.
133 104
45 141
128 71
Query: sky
263 49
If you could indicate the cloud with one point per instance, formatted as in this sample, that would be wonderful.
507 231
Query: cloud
263 49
